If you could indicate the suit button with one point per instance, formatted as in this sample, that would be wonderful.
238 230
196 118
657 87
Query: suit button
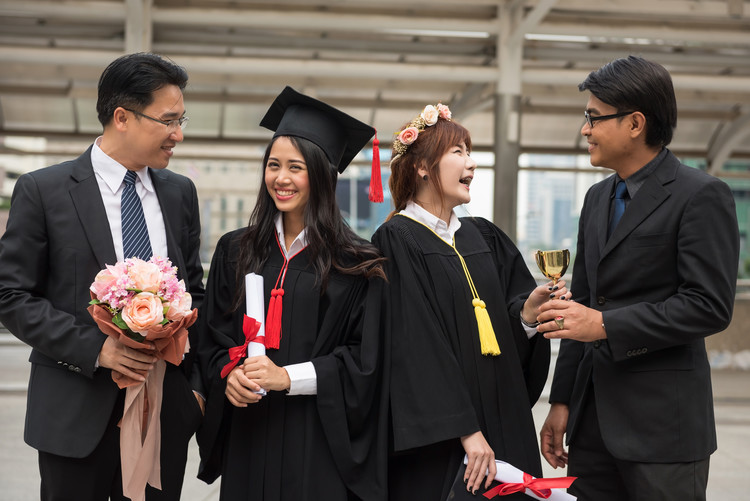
597 343
601 300
629 353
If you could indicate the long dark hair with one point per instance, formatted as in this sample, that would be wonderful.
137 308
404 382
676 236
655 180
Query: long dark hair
331 243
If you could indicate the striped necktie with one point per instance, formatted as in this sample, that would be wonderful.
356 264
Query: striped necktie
621 193
135 241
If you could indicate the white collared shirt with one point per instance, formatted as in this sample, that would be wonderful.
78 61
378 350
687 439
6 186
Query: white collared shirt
446 232
303 378
109 176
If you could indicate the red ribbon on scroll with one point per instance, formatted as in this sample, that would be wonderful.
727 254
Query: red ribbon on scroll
541 487
250 328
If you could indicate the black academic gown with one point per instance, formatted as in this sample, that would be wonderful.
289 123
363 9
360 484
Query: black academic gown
442 387
329 446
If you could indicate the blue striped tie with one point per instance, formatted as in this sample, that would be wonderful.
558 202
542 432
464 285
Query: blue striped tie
135 241
621 193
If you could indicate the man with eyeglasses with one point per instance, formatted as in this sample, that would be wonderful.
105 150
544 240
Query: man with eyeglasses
654 274
66 223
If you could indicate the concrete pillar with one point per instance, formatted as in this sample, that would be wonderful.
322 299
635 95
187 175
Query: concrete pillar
138 26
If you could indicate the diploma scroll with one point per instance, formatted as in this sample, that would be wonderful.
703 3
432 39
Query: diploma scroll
254 307
512 480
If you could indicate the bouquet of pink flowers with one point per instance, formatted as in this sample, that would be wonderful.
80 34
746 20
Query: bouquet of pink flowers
139 302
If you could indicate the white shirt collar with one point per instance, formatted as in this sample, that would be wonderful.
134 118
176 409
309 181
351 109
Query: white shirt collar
113 172
443 230
299 243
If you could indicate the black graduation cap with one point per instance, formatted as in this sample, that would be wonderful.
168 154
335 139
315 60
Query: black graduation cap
339 135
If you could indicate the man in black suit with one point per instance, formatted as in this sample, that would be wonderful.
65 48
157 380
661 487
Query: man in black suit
632 386
64 227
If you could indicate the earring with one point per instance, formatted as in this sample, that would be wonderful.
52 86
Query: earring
424 177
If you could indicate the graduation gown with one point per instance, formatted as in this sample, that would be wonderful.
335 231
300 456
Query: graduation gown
442 387
299 447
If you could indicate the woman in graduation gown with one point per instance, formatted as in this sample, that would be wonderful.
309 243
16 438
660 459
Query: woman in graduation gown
318 433
456 388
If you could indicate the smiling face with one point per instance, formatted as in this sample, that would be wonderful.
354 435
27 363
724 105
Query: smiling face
610 143
286 179
456 170
145 142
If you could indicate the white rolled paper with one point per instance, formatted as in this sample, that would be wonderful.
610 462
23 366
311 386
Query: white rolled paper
509 474
255 307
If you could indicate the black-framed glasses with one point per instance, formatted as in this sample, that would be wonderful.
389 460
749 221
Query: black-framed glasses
171 124
590 120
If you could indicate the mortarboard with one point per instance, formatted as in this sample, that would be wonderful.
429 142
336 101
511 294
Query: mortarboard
339 135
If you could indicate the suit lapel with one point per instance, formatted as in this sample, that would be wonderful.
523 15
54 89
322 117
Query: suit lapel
89 207
602 217
650 196
170 203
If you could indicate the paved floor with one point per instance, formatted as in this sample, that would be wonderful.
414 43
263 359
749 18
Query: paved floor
19 478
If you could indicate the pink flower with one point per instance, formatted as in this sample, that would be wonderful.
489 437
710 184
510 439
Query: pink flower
444 111
179 307
143 311
408 135
430 115
146 276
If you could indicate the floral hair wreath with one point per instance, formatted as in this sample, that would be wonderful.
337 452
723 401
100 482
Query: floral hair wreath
428 117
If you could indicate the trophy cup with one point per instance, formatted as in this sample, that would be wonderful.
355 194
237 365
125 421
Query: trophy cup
553 263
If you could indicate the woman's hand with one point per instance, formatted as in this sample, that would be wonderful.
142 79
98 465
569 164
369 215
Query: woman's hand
541 295
481 461
240 390
262 371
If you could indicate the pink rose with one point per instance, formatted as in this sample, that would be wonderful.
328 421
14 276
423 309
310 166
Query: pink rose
430 115
444 111
408 135
143 311
108 281
146 276
179 307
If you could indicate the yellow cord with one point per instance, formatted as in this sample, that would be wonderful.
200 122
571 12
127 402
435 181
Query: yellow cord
487 338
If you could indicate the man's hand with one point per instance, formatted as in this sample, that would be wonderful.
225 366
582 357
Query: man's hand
579 322
129 362
551 436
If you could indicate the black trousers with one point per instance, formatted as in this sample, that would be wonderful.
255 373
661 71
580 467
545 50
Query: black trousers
98 477
601 476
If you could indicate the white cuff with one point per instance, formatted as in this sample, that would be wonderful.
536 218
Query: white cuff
530 331
304 380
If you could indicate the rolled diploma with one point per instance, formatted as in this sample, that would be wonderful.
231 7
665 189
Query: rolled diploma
507 473
255 306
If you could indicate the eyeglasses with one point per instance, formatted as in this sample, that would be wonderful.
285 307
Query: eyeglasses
590 120
171 124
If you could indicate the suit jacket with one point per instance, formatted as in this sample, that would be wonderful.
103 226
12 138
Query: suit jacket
664 281
57 240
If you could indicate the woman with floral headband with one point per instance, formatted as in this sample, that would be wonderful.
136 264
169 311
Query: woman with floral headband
307 420
466 361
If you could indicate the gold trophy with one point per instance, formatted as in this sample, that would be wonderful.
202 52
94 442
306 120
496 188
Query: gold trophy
553 263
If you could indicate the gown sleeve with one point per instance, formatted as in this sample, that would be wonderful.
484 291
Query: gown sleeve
428 395
219 330
351 401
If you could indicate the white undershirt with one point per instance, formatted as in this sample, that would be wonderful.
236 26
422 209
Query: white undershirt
109 176
446 232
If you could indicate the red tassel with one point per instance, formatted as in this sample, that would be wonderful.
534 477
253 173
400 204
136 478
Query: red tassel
376 183
273 320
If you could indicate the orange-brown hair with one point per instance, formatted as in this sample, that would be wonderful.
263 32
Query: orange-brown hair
433 142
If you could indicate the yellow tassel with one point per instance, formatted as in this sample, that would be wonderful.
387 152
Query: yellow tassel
487 337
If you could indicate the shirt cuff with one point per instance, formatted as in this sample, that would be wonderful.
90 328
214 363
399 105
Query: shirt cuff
530 331
304 380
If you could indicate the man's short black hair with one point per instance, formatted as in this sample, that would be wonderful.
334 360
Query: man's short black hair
130 81
636 84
